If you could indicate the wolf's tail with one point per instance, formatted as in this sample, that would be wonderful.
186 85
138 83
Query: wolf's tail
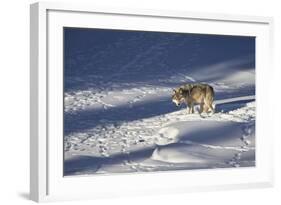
210 94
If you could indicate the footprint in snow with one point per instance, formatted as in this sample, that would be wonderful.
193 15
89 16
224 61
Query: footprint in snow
167 135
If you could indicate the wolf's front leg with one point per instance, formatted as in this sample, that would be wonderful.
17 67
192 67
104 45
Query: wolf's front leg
190 108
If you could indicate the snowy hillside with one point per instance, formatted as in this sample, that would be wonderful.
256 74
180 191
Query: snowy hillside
119 116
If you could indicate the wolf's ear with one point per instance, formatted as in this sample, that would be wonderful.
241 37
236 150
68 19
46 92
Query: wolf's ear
174 91
180 90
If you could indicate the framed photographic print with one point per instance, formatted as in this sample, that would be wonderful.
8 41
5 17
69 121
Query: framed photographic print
131 101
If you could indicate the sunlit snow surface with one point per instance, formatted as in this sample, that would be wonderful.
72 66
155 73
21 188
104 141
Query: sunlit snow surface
118 113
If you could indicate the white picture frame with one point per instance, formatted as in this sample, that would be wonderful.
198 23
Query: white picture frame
46 155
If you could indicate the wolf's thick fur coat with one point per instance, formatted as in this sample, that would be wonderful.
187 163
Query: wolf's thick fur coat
195 93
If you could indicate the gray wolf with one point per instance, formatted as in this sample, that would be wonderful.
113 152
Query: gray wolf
195 93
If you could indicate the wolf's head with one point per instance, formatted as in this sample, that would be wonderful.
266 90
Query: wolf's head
177 96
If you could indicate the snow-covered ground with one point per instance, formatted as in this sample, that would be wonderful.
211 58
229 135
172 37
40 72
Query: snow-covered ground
115 141
125 121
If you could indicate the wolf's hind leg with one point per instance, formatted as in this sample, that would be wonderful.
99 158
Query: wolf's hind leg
208 103
211 107
205 108
201 108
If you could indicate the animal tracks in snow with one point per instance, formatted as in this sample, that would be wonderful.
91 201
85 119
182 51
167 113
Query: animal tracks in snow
108 138
125 137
